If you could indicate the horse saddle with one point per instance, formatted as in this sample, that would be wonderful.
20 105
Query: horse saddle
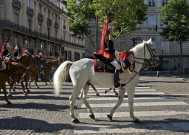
125 58
100 66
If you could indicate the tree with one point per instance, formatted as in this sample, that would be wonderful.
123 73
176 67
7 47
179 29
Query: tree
175 17
127 14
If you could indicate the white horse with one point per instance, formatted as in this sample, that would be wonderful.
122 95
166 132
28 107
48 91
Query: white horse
82 75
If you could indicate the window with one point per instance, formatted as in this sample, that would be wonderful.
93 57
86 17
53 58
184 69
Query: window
48 14
40 9
48 33
151 21
76 56
56 34
39 28
69 55
151 3
30 24
16 18
30 3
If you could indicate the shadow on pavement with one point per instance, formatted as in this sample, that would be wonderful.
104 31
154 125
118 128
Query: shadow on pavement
173 125
48 106
34 125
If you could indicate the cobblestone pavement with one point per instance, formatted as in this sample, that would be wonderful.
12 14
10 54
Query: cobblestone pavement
41 113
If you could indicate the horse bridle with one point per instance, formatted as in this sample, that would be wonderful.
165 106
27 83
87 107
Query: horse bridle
152 55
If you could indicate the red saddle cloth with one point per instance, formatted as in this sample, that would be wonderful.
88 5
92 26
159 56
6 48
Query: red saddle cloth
100 66
125 58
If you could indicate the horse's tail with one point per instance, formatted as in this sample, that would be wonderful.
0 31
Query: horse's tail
61 75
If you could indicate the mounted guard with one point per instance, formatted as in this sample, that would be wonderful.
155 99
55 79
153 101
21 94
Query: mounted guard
111 57
16 55
5 51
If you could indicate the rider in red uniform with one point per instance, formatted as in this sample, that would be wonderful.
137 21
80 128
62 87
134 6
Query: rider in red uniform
15 53
108 51
5 53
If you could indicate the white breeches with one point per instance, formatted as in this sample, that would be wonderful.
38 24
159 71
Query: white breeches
116 65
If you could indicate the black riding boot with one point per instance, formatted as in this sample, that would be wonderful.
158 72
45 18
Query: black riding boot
116 79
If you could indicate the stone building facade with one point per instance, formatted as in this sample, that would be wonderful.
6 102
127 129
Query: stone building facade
40 25
168 52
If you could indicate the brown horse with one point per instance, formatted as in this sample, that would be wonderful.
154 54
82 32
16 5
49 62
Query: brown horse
35 70
4 78
20 70
47 70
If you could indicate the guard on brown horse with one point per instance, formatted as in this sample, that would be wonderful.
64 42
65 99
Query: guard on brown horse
16 55
5 51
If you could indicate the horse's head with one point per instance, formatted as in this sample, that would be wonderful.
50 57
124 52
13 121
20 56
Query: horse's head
25 59
150 54
144 51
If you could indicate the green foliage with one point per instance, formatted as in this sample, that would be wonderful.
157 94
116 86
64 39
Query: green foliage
175 17
127 13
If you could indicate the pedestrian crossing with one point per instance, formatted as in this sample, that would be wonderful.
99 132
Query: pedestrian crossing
144 97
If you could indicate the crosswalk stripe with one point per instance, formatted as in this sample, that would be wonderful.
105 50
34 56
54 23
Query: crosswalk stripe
135 99
138 114
139 104
137 90
136 93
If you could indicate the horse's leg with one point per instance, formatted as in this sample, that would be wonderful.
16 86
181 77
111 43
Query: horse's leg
130 93
120 100
23 87
29 84
115 91
5 93
106 91
11 85
97 94
80 95
85 91
72 99
36 80
26 83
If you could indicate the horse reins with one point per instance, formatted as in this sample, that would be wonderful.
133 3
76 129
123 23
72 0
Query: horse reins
136 73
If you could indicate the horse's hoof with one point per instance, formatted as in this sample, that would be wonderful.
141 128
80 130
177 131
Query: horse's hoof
25 94
136 121
110 117
28 91
97 94
13 90
9 95
105 91
38 87
92 116
75 121
8 103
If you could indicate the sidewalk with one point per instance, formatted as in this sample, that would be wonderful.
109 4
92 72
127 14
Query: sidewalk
167 84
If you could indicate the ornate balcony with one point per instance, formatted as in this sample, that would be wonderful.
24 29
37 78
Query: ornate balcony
16 4
30 11
40 17
49 21
56 25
